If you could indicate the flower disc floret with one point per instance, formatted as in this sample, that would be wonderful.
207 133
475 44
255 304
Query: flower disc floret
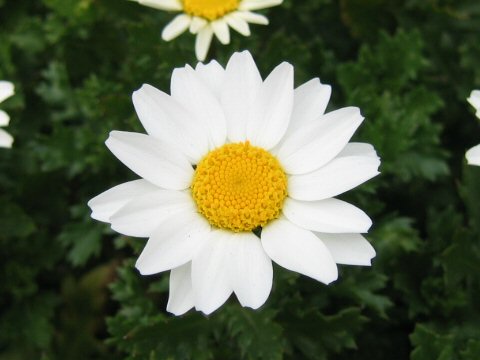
239 187
210 9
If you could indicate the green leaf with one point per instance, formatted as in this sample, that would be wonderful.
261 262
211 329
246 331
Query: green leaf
429 345
398 111
13 221
83 241
315 335
256 333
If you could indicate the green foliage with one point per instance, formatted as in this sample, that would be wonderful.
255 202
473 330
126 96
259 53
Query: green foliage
142 331
68 287
383 82
256 334
430 344
332 333
85 242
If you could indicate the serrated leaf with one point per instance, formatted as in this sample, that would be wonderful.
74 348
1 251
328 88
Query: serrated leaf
429 345
83 241
316 335
256 333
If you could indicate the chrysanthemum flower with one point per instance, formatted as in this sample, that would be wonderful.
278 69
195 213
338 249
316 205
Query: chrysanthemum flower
6 90
237 172
473 155
204 18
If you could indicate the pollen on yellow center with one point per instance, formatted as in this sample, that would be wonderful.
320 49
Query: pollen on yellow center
239 187
210 9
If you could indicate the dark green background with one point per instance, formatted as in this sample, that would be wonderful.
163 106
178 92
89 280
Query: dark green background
68 287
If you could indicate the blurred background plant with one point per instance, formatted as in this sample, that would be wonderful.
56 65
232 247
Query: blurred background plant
68 287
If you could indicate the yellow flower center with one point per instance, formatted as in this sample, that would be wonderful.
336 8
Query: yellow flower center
210 9
239 187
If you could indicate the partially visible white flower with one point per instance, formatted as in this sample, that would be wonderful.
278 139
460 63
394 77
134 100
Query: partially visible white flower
473 155
228 154
205 18
6 90
474 100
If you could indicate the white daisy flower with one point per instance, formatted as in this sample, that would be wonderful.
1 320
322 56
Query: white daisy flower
473 155
204 18
6 90
236 172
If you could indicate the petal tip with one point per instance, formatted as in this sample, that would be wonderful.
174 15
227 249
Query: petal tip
142 269
330 279
176 312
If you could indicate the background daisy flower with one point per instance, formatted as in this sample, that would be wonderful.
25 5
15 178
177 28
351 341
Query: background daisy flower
236 172
473 155
6 90
205 18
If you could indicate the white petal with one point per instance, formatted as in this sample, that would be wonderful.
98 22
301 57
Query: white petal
213 75
241 86
180 295
177 26
106 204
142 215
151 159
273 107
170 5
174 243
318 142
473 155
258 4
358 149
203 41
197 24
338 176
7 89
210 272
166 119
252 17
4 118
190 91
348 249
238 24
299 250
330 216
221 31
474 100
311 100
251 270
6 140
